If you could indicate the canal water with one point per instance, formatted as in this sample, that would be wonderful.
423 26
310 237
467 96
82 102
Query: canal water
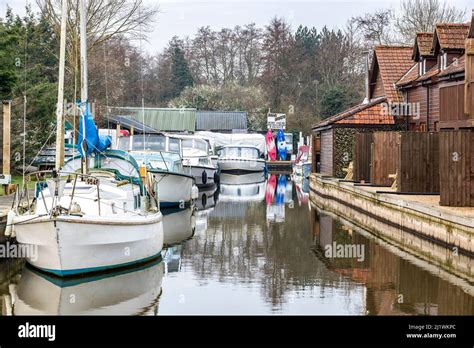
252 246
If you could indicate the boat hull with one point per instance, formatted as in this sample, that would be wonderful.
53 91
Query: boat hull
201 179
72 245
241 165
173 189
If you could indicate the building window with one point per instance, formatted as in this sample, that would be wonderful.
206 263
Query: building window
422 67
444 61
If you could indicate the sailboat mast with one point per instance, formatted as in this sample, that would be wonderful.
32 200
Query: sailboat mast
60 106
83 54
83 34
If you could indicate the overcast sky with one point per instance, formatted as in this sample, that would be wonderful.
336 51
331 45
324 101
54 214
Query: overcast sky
183 17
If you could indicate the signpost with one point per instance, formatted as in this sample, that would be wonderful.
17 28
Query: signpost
276 121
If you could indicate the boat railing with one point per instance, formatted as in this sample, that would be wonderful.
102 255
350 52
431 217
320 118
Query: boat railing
20 205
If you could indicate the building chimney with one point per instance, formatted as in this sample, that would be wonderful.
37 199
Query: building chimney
367 77
469 72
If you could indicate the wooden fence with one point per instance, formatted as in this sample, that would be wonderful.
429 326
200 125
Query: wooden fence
362 156
384 158
418 163
457 168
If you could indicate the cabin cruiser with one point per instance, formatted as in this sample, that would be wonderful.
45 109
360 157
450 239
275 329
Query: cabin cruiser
161 154
178 225
197 160
240 159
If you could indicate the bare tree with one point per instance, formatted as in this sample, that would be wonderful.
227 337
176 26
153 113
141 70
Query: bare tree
375 28
105 19
422 15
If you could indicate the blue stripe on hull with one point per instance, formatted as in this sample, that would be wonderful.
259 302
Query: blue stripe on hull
71 272
173 204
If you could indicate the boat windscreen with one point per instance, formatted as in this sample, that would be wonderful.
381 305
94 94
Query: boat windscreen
152 143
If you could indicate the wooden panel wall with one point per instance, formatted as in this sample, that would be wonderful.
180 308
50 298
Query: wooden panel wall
418 163
362 156
457 168
451 105
384 157
327 150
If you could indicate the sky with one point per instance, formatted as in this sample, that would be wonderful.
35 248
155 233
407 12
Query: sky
184 17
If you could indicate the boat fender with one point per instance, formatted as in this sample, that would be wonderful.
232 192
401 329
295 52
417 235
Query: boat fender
204 177
204 200
216 178
194 192
9 230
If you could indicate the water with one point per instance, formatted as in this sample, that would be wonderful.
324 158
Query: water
253 247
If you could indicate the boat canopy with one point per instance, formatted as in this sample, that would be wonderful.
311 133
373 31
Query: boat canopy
116 161
150 142
218 140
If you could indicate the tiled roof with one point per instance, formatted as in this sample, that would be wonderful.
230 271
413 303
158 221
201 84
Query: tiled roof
457 66
429 74
452 35
221 120
424 42
367 114
393 62
410 76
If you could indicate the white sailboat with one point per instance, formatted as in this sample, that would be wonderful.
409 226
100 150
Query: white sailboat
98 211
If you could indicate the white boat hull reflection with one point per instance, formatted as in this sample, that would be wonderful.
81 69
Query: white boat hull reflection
245 187
178 225
133 291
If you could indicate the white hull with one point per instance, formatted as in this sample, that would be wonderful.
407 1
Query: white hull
173 189
198 173
70 245
124 293
241 164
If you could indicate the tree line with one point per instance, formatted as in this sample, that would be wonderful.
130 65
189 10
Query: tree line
305 72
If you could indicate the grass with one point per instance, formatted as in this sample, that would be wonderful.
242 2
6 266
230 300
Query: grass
18 180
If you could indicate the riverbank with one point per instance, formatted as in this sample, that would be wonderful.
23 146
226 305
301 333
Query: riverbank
417 223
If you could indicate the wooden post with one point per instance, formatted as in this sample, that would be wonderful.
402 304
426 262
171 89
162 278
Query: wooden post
469 72
469 79
7 105
6 178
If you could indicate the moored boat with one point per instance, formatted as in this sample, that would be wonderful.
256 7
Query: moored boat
197 160
161 155
240 158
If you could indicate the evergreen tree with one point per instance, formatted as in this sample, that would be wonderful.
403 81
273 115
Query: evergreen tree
181 74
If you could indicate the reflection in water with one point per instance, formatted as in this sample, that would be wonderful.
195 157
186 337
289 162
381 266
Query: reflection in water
128 292
395 285
178 225
241 261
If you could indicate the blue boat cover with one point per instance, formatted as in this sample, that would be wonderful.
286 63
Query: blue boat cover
89 140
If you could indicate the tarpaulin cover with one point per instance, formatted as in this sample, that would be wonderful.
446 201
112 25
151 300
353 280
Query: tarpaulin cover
88 132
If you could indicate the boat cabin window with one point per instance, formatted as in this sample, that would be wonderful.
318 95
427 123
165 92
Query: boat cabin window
195 144
174 145
244 152
248 152
152 143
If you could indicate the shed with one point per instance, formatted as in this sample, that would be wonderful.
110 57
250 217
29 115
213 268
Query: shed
157 119
221 121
